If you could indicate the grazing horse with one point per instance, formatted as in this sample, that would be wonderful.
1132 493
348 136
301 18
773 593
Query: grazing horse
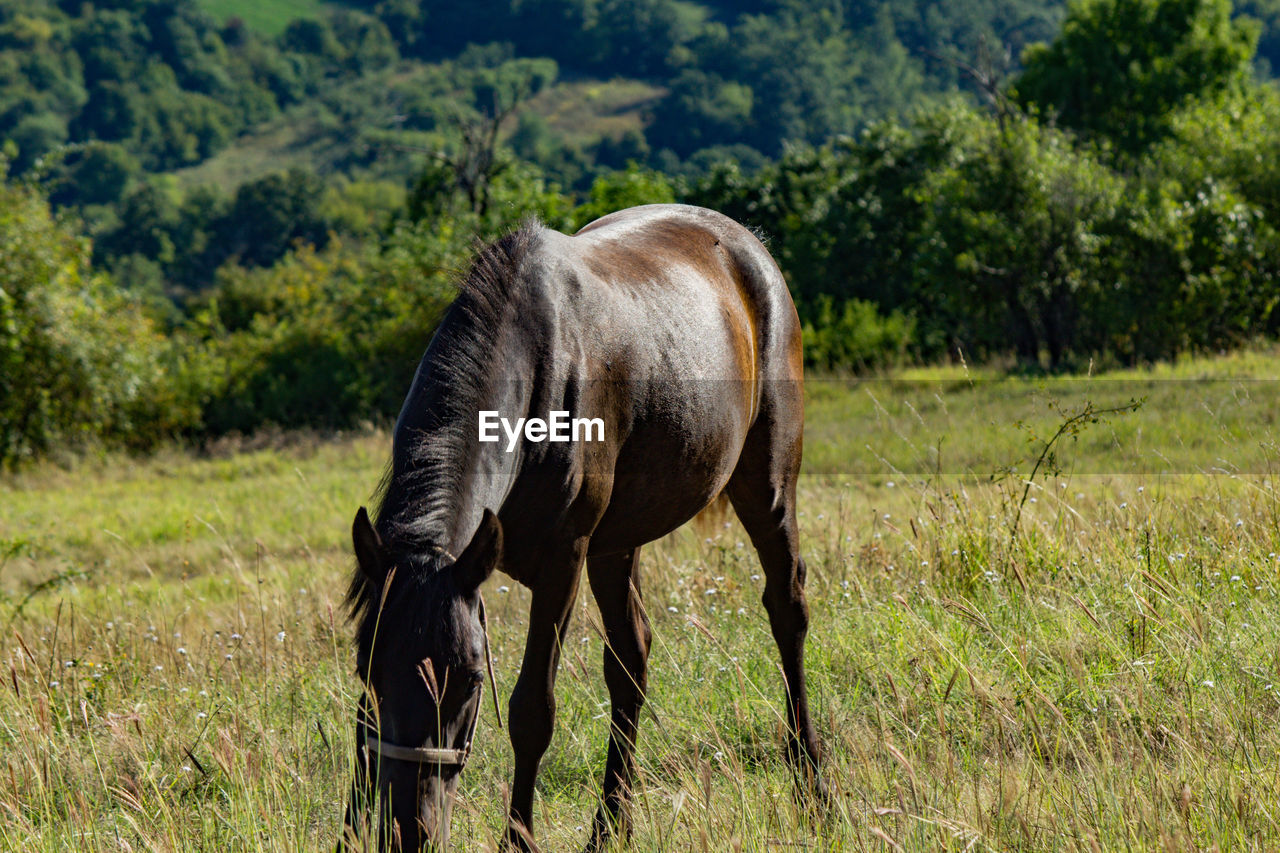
671 324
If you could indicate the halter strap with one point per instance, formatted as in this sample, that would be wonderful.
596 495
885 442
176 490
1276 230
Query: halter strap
441 551
488 663
420 754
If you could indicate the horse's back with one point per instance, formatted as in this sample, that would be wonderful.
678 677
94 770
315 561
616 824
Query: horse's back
681 324
676 263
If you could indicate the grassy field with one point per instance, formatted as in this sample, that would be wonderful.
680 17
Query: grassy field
1096 675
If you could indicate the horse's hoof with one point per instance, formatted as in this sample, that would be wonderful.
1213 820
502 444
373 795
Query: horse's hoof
822 794
607 829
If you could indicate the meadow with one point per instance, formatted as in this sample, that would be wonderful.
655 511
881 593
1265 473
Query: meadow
268 19
1087 663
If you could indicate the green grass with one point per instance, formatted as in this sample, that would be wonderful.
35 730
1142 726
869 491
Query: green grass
1219 417
268 19
178 675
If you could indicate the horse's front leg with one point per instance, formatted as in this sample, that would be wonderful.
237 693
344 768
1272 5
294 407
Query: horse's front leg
532 710
616 585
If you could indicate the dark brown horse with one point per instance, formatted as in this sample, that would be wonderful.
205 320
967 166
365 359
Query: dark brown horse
673 325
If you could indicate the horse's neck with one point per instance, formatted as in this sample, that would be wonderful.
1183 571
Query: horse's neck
444 476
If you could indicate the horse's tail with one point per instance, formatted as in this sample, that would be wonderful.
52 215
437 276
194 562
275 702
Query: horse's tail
713 516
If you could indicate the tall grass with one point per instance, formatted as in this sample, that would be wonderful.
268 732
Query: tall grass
178 673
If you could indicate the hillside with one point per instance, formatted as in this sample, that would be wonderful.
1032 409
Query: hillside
170 83
310 136
285 218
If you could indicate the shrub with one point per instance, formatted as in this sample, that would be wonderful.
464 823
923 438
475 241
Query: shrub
855 335
79 360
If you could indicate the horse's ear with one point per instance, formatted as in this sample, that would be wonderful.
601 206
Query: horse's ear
368 548
482 556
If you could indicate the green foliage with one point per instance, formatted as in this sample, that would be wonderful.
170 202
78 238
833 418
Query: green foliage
79 362
361 208
514 192
843 222
619 190
35 135
471 174
191 236
93 173
322 339
855 335
754 73
703 109
1011 241
1117 203
314 37
1267 14
1194 269
158 77
268 216
267 19
1120 67
1004 237
1233 137
174 86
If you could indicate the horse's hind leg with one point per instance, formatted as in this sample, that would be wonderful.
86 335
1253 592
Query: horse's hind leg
616 585
763 492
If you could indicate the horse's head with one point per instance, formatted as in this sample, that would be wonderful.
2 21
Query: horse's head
422 654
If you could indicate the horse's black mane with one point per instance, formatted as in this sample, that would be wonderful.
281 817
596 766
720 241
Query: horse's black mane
407 513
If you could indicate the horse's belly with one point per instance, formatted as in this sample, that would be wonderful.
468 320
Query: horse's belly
664 477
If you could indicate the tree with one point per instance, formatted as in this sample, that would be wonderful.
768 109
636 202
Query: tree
1009 255
467 166
270 215
35 136
94 173
148 219
1267 13
1119 68
701 110
1233 137
314 37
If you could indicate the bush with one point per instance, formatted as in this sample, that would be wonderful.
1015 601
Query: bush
321 339
1008 252
1191 269
79 360
622 189
855 335
1120 68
